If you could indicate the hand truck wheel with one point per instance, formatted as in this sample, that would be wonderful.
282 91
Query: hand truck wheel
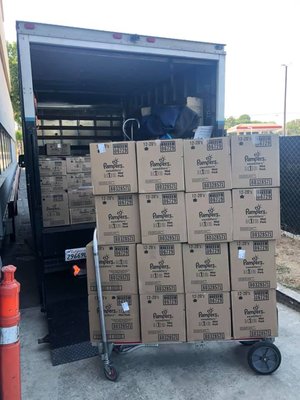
264 358
110 373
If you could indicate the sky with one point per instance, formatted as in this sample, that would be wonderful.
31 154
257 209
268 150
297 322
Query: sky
260 36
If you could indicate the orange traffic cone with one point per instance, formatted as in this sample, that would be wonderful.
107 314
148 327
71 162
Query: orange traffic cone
10 371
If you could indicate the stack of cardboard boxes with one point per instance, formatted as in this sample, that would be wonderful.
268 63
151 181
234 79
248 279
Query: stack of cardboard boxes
114 180
209 222
163 227
256 226
203 254
66 190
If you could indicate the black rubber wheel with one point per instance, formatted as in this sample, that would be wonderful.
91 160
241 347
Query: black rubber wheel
248 342
264 358
110 373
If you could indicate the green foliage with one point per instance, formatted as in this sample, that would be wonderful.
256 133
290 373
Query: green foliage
293 127
19 135
13 69
243 119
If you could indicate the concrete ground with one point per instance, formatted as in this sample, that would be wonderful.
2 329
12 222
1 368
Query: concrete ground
216 371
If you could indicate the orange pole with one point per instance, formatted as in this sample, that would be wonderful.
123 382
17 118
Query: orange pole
10 371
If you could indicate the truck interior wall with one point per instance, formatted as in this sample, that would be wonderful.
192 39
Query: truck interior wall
88 93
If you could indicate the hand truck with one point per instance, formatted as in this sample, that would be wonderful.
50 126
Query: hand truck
263 356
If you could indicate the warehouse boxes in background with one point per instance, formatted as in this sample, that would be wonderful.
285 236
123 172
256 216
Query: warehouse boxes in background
55 209
69 178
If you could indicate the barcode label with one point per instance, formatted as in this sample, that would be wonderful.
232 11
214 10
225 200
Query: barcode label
217 197
120 148
168 146
171 337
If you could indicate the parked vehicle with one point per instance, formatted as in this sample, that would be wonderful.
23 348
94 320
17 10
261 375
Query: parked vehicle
80 86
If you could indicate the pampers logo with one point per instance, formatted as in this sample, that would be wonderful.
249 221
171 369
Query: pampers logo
159 266
207 265
254 312
254 262
120 216
258 210
106 261
210 213
209 314
161 163
163 315
163 214
256 158
108 309
114 165
208 161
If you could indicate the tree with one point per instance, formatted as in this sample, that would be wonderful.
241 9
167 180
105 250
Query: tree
293 127
230 122
13 69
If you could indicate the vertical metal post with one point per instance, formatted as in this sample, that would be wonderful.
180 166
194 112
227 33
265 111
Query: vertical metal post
284 104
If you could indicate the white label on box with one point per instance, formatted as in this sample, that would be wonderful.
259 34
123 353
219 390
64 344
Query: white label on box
242 253
58 145
101 148
125 306
75 254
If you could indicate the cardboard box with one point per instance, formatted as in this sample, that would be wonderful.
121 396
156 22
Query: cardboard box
162 318
160 166
58 149
255 161
78 180
160 268
78 164
254 314
253 265
118 219
53 184
163 217
207 164
206 267
256 214
81 198
121 317
114 167
55 209
82 215
209 216
208 316
52 167
118 268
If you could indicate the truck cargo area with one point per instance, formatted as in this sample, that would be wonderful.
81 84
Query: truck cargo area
79 86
